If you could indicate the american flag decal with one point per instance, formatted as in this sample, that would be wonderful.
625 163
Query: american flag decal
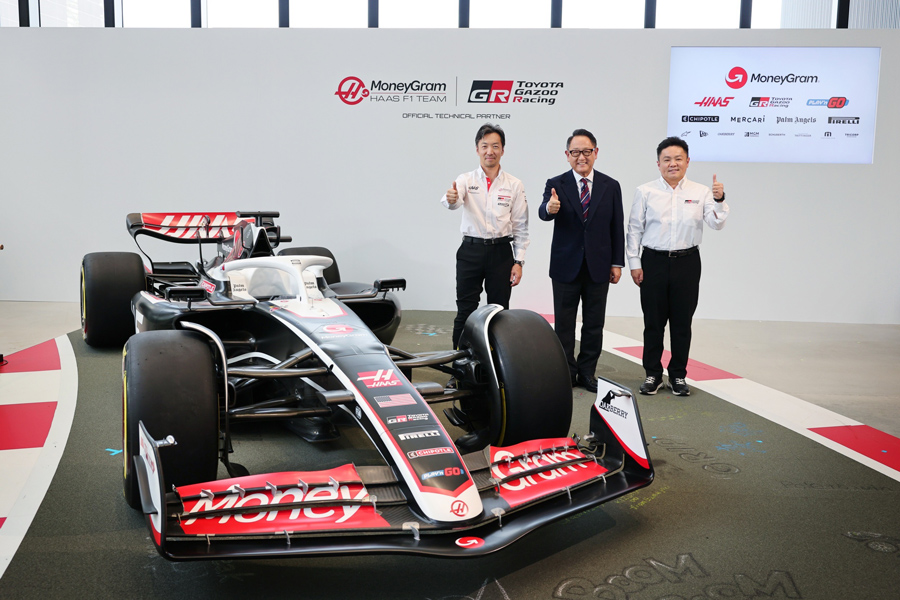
394 400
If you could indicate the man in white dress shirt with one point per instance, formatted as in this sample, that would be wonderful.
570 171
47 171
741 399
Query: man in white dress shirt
666 221
494 229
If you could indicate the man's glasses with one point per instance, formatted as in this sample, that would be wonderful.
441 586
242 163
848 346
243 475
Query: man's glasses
584 153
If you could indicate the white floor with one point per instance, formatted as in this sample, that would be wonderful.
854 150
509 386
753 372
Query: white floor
844 368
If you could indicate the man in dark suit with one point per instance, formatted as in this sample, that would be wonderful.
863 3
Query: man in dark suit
587 254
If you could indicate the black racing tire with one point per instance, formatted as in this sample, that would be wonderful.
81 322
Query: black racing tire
169 383
332 274
535 386
109 280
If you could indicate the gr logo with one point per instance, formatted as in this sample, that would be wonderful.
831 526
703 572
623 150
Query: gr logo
490 91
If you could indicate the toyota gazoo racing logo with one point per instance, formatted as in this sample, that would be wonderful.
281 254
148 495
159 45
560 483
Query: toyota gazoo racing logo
379 378
351 90
407 418
490 91
523 92
737 78
770 102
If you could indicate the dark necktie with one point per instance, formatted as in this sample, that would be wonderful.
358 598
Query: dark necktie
585 197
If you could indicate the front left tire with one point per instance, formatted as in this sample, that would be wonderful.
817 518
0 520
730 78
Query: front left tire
169 383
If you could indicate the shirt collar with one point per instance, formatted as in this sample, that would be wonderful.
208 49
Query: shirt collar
590 177
483 176
665 184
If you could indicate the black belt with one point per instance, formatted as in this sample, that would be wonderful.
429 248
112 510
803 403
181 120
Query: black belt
487 241
672 253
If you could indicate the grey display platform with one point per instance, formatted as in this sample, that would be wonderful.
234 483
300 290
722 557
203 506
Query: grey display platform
741 508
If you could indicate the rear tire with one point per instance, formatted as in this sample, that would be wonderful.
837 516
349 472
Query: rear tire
535 385
109 280
169 383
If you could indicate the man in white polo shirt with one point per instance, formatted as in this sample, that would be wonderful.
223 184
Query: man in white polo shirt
494 229
666 221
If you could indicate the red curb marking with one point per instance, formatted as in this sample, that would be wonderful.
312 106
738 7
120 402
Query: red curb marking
868 441
25 425
2 520
43 357
696 370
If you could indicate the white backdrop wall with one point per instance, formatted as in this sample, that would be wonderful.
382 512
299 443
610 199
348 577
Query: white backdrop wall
95 124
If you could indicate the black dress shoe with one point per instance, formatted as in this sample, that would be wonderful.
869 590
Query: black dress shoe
588 383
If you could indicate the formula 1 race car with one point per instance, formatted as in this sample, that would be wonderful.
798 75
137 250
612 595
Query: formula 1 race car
249 336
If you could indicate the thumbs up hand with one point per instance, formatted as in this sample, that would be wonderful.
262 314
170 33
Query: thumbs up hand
718 190
553 203
452 194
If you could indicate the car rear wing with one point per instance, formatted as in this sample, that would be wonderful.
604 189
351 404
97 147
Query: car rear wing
185 228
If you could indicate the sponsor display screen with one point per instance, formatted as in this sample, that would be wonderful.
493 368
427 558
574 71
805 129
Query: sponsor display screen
800 105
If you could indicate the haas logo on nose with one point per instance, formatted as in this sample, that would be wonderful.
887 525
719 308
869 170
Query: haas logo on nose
459 508
379 378
737 78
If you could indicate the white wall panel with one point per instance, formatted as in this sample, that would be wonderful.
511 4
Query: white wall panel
99 123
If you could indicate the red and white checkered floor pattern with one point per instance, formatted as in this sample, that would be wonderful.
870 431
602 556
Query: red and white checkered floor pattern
38 391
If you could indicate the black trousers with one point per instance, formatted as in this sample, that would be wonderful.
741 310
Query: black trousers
476 265
669 293
592 295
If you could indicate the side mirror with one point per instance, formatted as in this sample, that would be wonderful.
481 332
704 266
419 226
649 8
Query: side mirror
386 285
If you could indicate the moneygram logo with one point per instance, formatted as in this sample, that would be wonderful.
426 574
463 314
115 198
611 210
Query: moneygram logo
737 78
351 90
490 91
338 329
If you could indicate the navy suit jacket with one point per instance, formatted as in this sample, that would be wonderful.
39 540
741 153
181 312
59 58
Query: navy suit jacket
600 240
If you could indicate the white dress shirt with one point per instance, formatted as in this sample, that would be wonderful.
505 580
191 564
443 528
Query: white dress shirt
667 218
499 212
589 177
